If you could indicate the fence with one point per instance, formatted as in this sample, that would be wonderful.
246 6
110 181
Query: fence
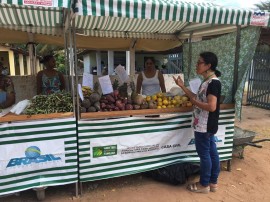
259 81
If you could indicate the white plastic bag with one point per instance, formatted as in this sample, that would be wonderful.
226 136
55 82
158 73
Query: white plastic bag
20 107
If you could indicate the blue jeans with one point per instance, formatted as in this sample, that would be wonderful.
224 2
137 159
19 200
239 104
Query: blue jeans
209 158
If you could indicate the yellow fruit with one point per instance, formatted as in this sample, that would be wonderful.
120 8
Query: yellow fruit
177 97
163 106
173 106
160 103
189 104
160 95
154 97
165 102
159 107
148 98
174 102
159 99
169 98
184 98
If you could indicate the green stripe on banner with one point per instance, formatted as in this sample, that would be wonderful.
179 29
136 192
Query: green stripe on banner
208 13
230 127
133 127
71 161
37 177
36 139
38 171
71 141
70 154
226 123
142 164
84 155
84 149
40 125
40 132
227 117
56 182
84 143
112 122
201 15
20 2
232 17
132 133
70 148
147 158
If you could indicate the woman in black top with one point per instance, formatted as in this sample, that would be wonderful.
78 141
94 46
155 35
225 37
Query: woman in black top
205 121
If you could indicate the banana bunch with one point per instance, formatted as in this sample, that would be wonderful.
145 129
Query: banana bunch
87 91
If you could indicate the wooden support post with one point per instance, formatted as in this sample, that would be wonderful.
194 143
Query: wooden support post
11 63
110 62
21 64
28 65
98 60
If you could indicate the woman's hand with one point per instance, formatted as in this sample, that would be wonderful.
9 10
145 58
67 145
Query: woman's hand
178 81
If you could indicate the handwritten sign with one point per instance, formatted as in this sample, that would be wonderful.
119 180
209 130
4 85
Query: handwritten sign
88 80
106 84
38 2
121 72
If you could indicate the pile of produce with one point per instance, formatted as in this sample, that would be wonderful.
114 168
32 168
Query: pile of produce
118 99
160 100
47 104
91 99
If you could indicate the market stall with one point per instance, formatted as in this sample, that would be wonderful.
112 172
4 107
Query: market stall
39 149
118 143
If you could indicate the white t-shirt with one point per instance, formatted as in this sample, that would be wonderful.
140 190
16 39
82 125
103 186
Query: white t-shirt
150 86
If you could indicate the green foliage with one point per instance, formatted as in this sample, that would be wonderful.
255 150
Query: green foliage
263 5
60 61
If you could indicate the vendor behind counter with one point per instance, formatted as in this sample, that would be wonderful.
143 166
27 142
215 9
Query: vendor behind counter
49 80
7 93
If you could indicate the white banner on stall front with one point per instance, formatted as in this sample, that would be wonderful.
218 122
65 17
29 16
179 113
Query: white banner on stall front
23 157
111 149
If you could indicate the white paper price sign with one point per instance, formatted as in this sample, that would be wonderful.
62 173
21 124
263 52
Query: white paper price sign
80 91
121 72
106 84
88 80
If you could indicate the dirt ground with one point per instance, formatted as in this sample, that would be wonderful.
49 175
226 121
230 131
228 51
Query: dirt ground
248 181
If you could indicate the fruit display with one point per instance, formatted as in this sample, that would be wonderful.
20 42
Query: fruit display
120 99
47 104
162 101
91 99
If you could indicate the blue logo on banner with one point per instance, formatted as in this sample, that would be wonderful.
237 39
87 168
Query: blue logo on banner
32 155
192 141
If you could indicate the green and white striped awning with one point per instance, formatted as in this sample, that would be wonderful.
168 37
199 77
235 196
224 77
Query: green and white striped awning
37 20
160 19
37 17
43 3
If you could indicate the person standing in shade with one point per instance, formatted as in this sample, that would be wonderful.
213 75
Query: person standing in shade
206 114
7 92
49 80
150 81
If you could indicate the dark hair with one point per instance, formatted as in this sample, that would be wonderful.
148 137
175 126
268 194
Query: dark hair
211 58
46 58
149 58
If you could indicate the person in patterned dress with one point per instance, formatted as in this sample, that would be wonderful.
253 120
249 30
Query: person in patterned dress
205 121
7 92
49 80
